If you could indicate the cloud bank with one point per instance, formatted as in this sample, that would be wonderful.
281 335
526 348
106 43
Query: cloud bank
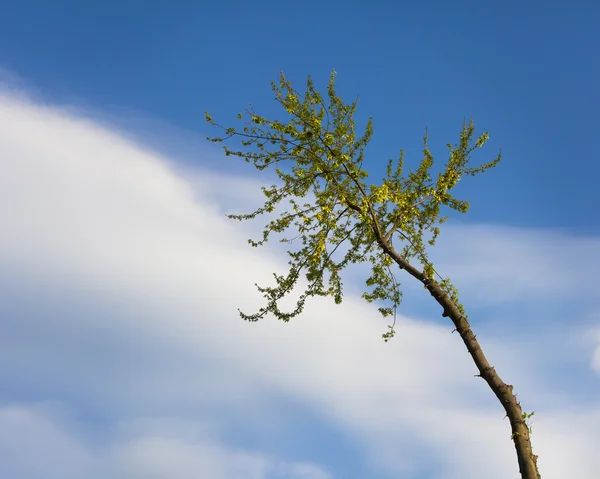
122 354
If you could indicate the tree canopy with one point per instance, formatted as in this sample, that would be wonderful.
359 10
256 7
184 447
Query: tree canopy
336 215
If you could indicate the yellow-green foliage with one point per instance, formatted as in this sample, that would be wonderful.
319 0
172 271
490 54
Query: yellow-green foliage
318 151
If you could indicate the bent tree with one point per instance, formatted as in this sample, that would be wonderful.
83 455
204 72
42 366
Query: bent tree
339 219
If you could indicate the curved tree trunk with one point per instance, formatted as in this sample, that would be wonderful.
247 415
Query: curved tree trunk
504 392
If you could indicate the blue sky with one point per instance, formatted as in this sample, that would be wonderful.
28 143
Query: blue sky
122 354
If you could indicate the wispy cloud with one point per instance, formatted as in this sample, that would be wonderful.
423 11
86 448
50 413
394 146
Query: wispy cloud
36 441
514 264
137 275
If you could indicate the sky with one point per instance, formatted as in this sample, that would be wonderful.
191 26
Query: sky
122 354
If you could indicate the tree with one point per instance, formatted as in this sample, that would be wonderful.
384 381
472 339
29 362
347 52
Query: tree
341 220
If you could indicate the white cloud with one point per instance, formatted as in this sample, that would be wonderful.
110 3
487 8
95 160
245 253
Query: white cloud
137 275
35 441
521 264
32 445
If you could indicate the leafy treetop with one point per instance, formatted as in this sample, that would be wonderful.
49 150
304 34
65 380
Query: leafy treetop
338 217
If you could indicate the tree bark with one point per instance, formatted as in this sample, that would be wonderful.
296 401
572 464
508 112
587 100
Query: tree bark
504 392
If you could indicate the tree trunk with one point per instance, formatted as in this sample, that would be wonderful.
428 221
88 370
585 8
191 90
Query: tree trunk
504 392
